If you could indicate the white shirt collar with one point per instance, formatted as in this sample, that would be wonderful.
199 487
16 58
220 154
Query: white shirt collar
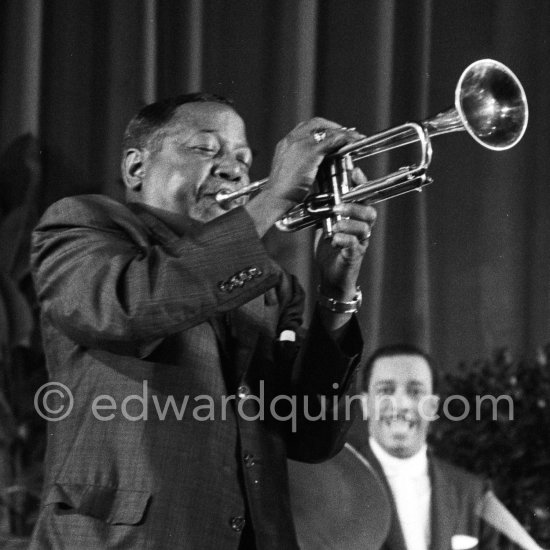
411 467
410 485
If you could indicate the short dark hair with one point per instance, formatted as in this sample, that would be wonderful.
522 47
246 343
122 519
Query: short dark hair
144 130
391 351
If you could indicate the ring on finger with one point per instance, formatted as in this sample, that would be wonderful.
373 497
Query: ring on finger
319 135
365 238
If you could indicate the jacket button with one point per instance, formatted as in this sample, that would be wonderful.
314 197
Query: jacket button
237 523
236 282
224 286
243 392
244 276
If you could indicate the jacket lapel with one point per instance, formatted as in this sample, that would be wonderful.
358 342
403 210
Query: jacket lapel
444 508
244 327
220 324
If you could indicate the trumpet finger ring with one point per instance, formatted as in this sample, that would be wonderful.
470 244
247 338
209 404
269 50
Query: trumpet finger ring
319 135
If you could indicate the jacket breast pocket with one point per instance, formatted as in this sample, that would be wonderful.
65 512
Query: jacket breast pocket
108 504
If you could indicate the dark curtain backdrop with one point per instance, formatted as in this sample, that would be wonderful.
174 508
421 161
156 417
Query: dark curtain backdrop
460 269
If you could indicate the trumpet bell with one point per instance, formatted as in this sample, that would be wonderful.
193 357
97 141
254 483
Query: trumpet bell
492 104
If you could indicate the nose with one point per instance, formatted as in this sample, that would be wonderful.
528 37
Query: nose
403 400
229 169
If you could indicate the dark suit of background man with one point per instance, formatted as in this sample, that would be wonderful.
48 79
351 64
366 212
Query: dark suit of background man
172 297
435 505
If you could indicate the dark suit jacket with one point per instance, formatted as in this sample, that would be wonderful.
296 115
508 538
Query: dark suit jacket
131 309
456 495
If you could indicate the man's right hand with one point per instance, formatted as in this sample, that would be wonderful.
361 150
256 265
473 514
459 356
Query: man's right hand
294 167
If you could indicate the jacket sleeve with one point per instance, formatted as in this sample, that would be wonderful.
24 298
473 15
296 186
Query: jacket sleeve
105 282
323 382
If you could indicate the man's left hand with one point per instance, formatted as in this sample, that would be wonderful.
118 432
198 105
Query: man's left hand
339 258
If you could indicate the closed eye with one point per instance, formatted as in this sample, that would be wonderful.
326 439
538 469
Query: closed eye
416 390
205 149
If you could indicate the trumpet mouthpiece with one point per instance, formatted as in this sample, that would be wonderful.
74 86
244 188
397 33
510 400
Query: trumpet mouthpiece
223 198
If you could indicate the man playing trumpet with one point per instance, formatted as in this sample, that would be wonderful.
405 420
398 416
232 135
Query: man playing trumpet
181 340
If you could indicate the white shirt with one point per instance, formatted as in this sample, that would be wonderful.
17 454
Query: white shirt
409 481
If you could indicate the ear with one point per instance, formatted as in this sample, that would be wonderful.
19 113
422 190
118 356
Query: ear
364 404
133 169
429 407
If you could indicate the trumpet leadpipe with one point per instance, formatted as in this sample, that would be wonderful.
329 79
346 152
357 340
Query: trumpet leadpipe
223 197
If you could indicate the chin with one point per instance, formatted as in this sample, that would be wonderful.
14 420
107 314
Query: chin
210 213
401 452
405 449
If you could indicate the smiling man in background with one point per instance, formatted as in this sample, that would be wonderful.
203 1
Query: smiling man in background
435 505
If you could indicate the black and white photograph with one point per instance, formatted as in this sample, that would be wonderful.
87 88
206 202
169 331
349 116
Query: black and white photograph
275 274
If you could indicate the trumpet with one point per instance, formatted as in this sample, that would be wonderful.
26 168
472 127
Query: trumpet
490 104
